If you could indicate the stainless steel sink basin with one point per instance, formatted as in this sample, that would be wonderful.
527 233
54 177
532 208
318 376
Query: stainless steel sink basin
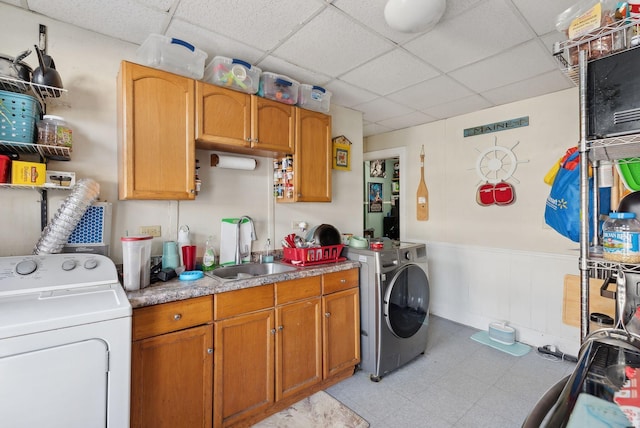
249 270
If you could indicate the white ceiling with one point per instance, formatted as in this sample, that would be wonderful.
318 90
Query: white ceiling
483 53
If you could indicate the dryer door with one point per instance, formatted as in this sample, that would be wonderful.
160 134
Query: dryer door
406 300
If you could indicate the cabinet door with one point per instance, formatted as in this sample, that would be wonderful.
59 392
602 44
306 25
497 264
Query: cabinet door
298 346
156 134
223 117
312 159
273 125
341 331
243 367
171 379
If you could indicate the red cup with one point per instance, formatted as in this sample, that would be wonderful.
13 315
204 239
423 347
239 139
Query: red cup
189 257
5 169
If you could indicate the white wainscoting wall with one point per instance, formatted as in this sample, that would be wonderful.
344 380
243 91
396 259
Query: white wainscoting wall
475 286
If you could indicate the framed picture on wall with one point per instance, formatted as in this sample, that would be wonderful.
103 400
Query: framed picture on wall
395 187
341 153
375 197
377 169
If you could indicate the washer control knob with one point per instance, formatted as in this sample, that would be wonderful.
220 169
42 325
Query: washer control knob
408 255
26 267
69 265
90 264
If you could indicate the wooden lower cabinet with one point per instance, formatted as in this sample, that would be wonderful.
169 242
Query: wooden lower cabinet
172 365
341 331
243 373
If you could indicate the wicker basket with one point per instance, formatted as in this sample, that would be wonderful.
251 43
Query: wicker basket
18 117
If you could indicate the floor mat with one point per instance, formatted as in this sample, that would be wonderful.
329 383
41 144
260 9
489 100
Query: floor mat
517 349
320 410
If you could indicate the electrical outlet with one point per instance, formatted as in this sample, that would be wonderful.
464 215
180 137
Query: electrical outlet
154 231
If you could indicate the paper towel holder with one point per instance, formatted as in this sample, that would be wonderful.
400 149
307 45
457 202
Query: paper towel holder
233 162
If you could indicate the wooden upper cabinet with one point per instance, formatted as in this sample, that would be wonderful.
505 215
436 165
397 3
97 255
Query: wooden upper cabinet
156 143
233 121
312 158
223 117
273 125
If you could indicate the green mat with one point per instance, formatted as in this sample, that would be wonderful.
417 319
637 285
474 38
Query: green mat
517 349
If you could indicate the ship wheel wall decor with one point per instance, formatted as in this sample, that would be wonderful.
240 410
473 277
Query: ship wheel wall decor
495 165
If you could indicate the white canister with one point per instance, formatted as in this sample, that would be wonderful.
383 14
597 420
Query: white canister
136 261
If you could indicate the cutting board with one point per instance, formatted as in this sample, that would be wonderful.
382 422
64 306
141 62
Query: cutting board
597 303
422 195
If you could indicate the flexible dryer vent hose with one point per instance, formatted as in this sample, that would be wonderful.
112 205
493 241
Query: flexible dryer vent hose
57 232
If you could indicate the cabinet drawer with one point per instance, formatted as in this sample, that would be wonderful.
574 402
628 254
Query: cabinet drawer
167 317
242 301
336 281
298 289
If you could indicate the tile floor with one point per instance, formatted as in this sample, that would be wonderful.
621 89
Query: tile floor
458 382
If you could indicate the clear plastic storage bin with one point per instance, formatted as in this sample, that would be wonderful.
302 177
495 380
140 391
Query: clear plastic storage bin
278 87
234 74
314 98
173 55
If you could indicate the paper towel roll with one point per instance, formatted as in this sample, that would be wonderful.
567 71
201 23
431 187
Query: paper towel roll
233 162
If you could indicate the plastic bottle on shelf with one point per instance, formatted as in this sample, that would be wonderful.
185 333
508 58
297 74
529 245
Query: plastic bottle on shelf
621 238
209 257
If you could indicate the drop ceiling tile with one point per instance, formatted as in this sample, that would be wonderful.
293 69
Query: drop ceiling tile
213 44
348 95
13 2
259 23
331 44
546 83
427 94
407 120
122 19
161 5
550 38
390 72
483 31
374 129
280 66
372 15
458 107
526 61
381 109
542 14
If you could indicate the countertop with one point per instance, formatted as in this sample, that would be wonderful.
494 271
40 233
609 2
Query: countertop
173 290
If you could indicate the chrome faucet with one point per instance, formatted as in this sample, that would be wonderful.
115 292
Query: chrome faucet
239 253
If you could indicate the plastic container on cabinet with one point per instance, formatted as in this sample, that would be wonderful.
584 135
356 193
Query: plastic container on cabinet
314 98
279 88
620 238
53 131
173 55
233 73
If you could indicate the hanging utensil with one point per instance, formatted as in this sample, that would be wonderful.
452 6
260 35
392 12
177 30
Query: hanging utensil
621 299
422 195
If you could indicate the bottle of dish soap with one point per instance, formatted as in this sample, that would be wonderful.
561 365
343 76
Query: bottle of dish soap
209 257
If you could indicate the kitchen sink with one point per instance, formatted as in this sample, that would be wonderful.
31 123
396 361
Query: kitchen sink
249 270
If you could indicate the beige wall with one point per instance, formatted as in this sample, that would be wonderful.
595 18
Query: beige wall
450 161
89 63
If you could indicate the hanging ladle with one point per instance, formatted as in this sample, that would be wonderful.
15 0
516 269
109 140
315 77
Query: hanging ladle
46 75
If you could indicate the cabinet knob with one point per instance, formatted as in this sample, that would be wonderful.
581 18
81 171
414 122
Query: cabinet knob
280 327
209 350
177 317
343 280
327 314
273 331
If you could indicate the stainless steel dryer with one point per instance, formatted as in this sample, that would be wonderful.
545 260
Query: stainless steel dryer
394 305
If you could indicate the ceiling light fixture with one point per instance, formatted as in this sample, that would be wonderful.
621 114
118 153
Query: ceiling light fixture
413 16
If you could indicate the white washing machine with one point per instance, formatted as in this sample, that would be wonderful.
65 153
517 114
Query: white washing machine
394 305
65 342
